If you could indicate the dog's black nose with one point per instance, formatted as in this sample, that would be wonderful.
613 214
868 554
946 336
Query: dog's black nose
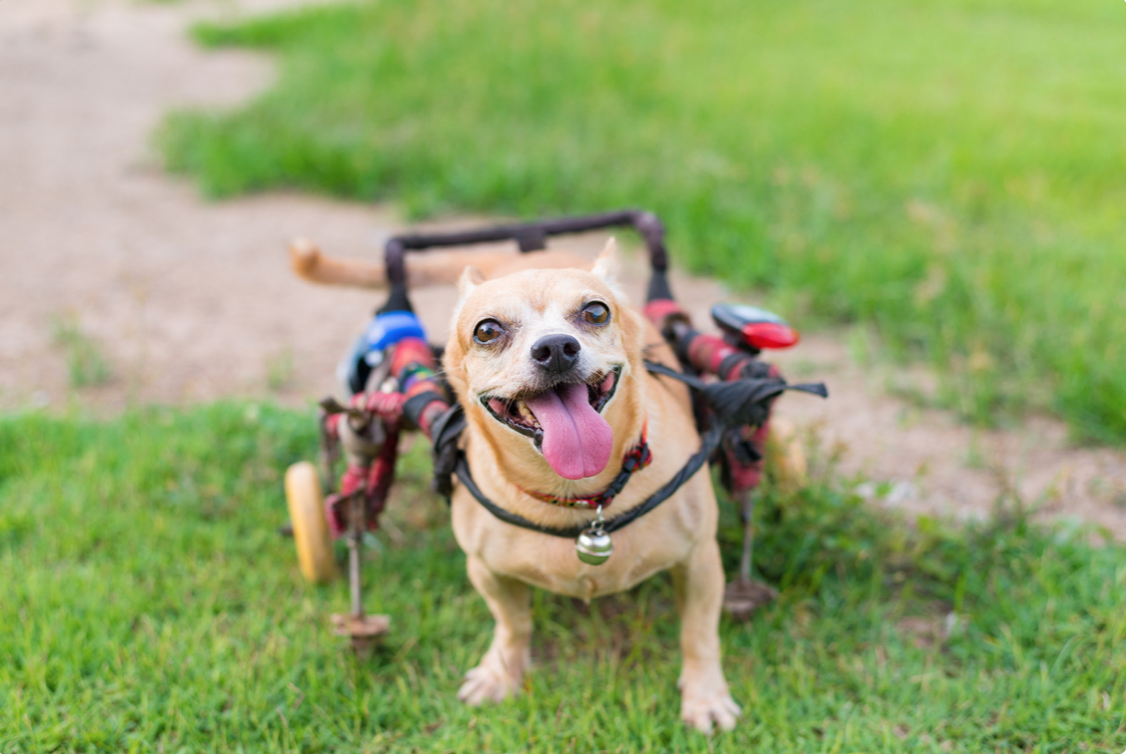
556 353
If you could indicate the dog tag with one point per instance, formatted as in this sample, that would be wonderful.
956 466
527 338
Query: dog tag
593 543
594 546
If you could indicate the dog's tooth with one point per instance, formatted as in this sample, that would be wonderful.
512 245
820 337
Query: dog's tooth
525 412
527 415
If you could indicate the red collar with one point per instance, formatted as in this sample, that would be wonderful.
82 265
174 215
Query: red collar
636 459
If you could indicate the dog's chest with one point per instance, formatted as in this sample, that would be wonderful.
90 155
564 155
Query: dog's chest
555 566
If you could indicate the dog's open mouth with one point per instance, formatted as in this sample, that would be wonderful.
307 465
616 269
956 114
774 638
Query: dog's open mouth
566 423
516 413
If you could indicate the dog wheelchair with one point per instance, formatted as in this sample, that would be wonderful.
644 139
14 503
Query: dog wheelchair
393 377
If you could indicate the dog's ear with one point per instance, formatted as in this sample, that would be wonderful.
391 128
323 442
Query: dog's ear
608 266
471 277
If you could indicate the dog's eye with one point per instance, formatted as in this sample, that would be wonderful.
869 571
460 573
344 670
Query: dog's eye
596 313
487 331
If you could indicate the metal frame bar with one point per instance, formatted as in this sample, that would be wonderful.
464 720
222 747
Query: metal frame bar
530 236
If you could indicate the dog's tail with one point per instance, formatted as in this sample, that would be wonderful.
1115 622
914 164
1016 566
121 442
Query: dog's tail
311 264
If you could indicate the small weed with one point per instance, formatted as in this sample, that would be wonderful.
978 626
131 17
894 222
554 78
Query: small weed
972 455
87 365
279 370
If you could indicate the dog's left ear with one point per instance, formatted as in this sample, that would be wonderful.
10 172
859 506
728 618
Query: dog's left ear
471 277
608 266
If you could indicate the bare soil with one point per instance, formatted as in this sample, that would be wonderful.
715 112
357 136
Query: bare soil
190 301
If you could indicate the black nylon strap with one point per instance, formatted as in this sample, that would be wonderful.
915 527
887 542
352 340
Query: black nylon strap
742 402
631 465
448 427
444 434
764 387
708 443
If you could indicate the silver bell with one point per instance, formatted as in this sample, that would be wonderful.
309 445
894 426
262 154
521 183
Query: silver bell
594 545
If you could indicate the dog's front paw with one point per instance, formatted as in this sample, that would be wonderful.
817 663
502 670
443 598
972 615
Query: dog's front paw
488 682
701 707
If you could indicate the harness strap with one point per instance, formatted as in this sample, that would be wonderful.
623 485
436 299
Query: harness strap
444 434
708 443
741 402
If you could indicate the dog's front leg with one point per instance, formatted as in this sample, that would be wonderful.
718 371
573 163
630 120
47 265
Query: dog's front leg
699 598
502 668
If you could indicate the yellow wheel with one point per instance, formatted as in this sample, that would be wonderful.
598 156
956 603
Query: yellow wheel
307 515
785 456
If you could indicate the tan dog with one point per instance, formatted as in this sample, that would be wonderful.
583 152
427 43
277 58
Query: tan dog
548 365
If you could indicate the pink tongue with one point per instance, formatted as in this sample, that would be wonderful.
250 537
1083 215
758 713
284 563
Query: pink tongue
576 439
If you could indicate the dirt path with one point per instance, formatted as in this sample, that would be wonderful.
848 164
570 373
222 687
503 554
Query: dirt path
193 301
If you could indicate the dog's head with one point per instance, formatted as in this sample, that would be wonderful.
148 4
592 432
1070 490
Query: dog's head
541 360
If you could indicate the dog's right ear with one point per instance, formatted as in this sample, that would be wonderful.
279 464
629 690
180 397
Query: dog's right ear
471 277
452 361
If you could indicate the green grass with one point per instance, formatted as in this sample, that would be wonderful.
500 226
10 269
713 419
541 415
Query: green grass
947 172
147 604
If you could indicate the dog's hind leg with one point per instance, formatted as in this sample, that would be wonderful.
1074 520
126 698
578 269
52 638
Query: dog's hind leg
502 668
699 598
